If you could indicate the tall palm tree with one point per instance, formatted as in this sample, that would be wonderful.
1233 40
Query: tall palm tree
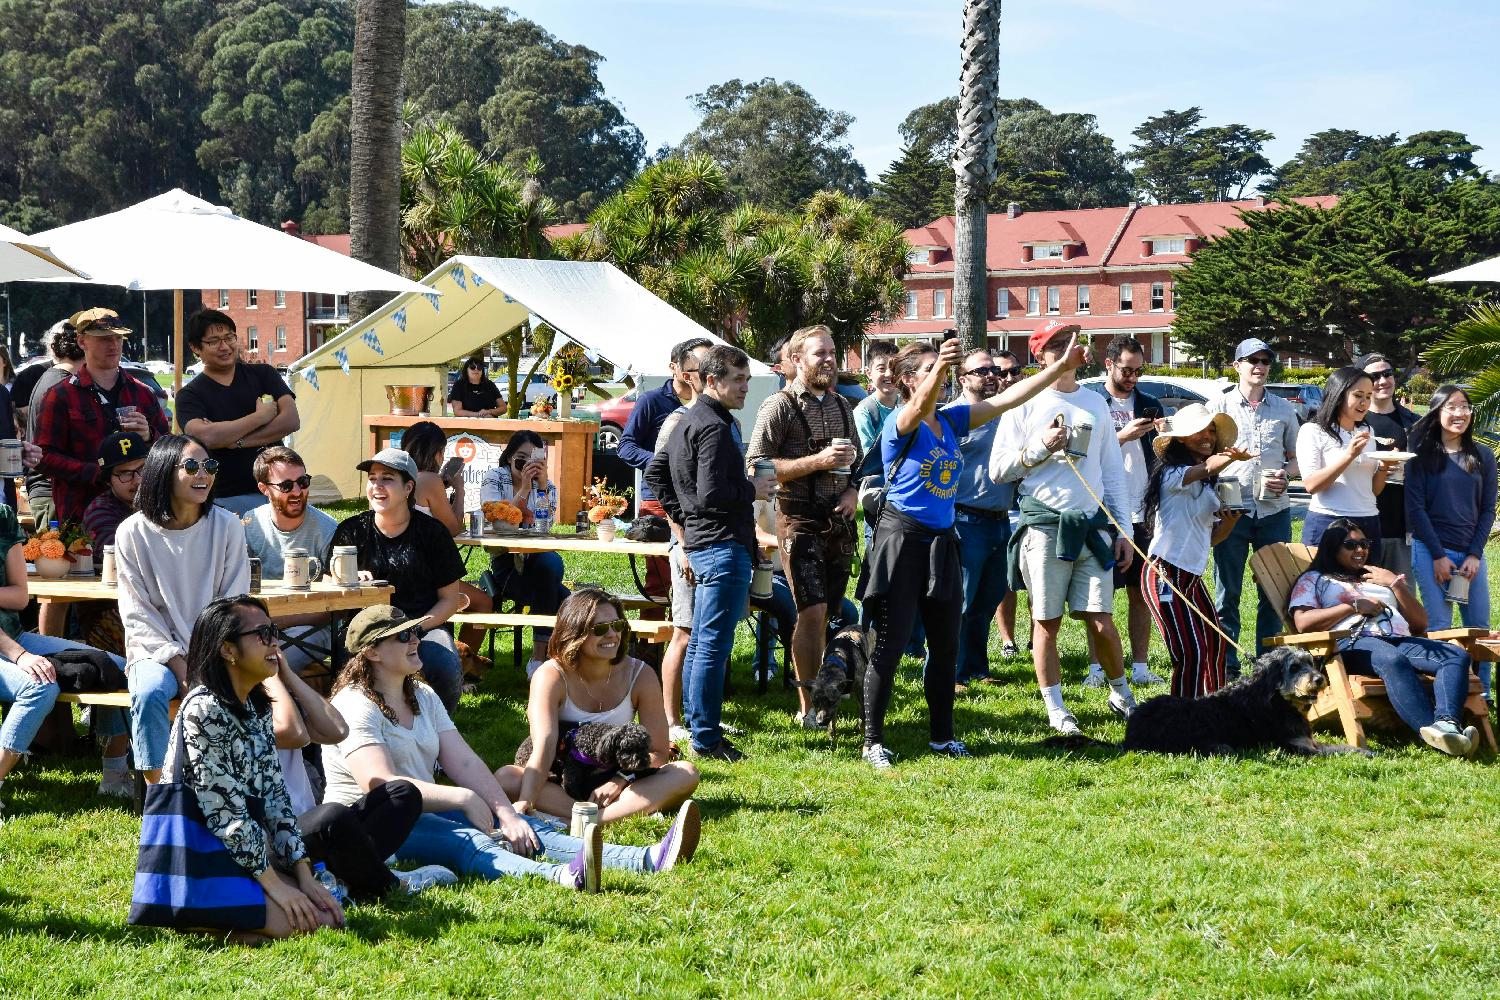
375 142
1472 349
974 166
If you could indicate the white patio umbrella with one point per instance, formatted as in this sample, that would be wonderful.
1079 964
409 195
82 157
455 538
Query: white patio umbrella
23 259
176 241
1485 270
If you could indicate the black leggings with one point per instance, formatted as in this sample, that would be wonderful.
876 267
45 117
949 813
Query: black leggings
354 841
894 613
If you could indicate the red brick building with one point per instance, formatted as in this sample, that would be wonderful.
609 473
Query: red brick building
281 327
1108 269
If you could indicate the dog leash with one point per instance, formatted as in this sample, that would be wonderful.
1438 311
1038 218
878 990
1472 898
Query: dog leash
1129 537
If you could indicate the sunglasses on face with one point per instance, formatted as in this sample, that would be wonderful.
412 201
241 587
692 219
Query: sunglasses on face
267 633
1008 373
618 625
210 466
1356 544
1129 372
302 482
1389 373
986 370
406 634
1259 361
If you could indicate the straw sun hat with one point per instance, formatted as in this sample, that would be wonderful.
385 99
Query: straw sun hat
1191 419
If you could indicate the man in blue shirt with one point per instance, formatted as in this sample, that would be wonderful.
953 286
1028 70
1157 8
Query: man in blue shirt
982 518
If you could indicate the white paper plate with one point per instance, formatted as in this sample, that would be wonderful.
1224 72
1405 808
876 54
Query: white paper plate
1392 456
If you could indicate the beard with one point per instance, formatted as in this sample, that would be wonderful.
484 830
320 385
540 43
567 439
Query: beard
819 378
288 506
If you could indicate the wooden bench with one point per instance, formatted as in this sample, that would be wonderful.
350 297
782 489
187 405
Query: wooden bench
104 699
630 602
646 631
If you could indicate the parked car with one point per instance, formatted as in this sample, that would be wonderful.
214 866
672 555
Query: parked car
1305 399
1173 392
612 415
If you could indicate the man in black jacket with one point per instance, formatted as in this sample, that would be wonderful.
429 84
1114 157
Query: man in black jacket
700 479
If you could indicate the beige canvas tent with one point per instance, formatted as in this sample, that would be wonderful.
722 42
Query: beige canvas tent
412 340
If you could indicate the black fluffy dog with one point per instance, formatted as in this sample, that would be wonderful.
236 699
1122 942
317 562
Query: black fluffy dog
845 661
1265 710
590 754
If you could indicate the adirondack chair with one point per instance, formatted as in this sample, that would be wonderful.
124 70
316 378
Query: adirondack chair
1356 699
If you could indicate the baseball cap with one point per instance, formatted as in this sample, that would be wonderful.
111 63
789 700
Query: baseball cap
1250 346
121 447
392 458
1046 332
97 320
380 621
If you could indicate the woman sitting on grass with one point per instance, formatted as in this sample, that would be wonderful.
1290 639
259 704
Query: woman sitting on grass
230 763
1341 591
398 728
535 579
590 679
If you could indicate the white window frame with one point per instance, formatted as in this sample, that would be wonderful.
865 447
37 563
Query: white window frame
1047 251
252 340
1174 244
1084 296
911 305
252 299
1127 298
281 338
280 299
1158 296
1034 300
223 298
939 303
1054 300
919 256
1002 303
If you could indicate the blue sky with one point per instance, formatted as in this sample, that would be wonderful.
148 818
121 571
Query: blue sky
1292 68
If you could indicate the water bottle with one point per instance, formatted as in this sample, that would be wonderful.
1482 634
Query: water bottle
331 882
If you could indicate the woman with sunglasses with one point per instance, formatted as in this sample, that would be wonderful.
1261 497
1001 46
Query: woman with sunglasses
1341 590
398 728
536 578
225 751
473 394
176 555
1450 508
590 679
1334 453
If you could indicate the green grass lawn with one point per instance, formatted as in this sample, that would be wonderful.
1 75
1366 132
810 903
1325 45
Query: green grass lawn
1025 872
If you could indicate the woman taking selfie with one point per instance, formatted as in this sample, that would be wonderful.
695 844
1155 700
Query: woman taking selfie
535 579
416 555
398 728
590 679
225 751
175 556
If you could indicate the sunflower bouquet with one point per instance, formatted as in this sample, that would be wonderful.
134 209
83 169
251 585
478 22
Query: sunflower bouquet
568 369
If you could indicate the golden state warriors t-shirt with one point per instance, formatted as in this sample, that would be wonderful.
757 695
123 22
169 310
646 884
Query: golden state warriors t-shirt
927 480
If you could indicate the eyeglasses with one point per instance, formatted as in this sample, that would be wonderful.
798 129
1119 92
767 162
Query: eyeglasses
1389 373
1259 361
986 370
1356 544
192 465
229 341
302 482
1129 372
1458 409
126 475
267 633
687 371
618 625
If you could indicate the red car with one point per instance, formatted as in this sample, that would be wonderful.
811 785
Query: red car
612 415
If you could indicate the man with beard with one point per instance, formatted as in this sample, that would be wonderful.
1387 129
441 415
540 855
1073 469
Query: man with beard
288 522
1389 420
796 429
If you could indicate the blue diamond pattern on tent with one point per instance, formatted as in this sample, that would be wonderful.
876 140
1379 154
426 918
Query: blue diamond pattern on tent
478 281
311 375
342 356
400 319
372 340
508 299
433 300
458 277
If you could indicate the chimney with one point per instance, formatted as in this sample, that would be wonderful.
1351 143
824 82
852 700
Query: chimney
291 228
1260 201
1027 253
1012 210
1146 247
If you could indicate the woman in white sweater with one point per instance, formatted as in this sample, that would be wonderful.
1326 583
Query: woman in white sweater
174 556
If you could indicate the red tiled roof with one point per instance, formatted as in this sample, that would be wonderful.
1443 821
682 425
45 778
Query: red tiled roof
1027 324
338 243
1203 221
564 230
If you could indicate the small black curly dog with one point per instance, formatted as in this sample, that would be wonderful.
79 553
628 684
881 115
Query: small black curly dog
1264 710
590 754
842 674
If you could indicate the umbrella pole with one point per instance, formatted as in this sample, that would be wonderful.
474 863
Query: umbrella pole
176 345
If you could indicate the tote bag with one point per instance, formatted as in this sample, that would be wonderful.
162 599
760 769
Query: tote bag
185 876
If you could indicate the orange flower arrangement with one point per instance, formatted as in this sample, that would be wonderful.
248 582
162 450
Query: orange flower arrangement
52 548
496 511
49 545
601 501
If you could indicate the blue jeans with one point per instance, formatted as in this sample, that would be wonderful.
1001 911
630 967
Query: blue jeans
1229 579
723 574
981 551
1475 614
537 585
441 668
244 503
1314 525
107 721
448 839
1398 661
152 687
29 699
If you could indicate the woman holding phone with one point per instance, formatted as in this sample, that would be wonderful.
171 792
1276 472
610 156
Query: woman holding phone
534 579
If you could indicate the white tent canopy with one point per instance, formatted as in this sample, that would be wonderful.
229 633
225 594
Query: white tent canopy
1485 270
412 339
23 258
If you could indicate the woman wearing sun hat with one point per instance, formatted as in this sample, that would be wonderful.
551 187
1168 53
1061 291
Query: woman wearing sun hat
1187 520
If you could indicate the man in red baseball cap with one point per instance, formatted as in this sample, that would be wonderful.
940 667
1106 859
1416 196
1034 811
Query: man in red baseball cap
1065 547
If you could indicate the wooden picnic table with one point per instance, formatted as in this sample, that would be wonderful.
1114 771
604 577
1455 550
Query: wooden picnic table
562 544
321 597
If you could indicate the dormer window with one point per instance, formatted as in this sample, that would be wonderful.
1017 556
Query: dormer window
919 256
1176 244
1047 251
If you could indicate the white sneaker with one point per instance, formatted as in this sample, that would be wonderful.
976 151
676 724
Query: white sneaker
729 730
678 734
1121 704
1145 677
425 877
1096 678
116 785
878 757
1065 724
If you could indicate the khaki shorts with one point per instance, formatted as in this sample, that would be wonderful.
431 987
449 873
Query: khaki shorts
682 591
1054 585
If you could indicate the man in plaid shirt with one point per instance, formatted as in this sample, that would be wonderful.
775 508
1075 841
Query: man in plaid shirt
79 412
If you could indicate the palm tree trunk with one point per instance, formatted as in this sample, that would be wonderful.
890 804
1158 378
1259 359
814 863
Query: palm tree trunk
974 167
375 143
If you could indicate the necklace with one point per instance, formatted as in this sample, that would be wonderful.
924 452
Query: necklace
600 706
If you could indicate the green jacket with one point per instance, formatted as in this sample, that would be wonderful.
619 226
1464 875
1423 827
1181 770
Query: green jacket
1074 531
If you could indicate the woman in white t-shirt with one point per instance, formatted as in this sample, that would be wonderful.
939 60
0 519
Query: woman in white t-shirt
1187 521
398 728
1333 453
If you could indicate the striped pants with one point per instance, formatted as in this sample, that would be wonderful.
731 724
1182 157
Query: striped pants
1198 652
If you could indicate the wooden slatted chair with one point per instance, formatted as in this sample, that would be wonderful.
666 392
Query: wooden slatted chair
1355 699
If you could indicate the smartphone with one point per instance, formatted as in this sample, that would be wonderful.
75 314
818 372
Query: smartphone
451 468
540 455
